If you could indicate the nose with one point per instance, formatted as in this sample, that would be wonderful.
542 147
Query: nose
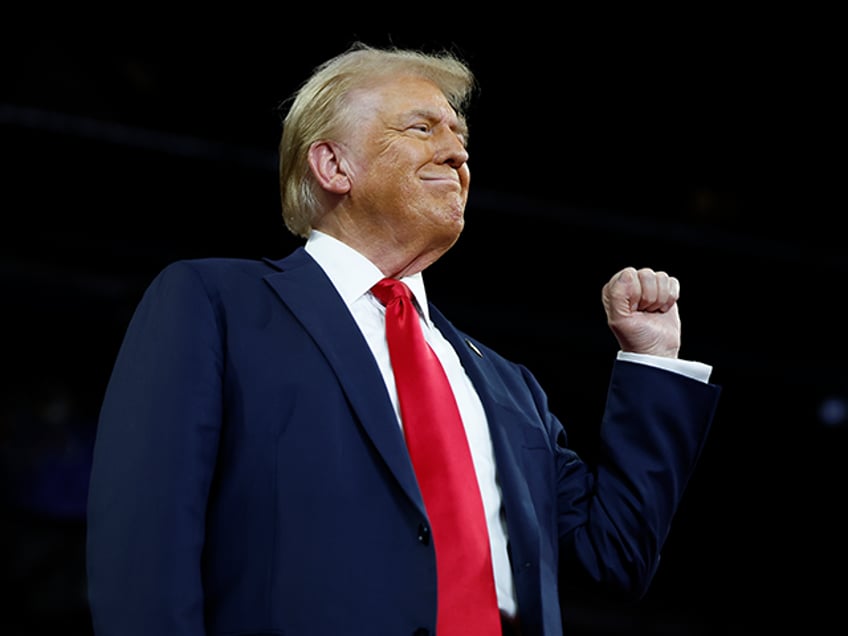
458 158
452 151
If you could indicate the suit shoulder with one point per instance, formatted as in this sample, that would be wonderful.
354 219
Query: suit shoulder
209 273
219 264
215 268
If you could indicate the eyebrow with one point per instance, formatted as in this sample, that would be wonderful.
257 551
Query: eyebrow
461 127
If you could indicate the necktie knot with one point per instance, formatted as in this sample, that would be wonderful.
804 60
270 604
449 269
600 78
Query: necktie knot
390 289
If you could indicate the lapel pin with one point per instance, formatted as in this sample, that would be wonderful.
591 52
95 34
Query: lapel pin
473 348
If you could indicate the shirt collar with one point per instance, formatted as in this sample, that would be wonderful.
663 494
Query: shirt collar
352 274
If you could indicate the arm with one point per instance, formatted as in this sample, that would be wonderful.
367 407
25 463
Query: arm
614 520
154 455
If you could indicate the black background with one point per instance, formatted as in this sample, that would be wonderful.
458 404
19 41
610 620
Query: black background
707 145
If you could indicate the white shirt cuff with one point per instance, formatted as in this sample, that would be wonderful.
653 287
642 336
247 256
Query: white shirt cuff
689 368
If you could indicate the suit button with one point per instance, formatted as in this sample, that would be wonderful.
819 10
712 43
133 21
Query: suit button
424 534
421 632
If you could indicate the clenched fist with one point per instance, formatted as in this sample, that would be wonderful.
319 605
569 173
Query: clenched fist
641 307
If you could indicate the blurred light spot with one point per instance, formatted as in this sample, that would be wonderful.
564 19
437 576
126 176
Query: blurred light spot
833 412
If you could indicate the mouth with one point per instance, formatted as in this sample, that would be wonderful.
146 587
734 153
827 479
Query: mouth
444 180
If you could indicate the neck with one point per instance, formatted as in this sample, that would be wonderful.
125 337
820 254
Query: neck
394 254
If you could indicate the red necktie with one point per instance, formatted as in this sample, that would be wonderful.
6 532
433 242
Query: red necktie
439 451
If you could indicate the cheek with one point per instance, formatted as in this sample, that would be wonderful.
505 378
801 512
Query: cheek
386 186
388 178
386 168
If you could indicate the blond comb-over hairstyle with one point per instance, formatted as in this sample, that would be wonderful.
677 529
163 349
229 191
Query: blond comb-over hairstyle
317 112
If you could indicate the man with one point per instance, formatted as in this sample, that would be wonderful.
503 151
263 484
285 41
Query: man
251 474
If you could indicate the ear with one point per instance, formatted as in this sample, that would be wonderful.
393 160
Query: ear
327 166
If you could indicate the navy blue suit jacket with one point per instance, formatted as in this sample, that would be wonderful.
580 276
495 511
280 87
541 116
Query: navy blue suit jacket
250 477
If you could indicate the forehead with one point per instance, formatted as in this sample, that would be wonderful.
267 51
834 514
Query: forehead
397 96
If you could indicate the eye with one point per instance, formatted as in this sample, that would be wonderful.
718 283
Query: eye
422 127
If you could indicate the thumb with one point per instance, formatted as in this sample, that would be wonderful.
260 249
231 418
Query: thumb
622 293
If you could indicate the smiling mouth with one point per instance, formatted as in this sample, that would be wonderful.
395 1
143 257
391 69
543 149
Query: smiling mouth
453 181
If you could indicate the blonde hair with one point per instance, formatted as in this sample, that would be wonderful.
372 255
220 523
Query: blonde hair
317 112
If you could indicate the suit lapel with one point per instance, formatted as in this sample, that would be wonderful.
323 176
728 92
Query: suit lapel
507 437
308 293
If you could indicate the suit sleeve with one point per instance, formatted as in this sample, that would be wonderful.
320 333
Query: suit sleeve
154 457
614 518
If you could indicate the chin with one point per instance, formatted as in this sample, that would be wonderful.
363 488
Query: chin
456 213
454 225
453 230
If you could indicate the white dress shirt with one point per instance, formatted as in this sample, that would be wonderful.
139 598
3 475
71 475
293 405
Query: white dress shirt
353 275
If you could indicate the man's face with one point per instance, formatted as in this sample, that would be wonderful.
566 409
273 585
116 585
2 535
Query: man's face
407 162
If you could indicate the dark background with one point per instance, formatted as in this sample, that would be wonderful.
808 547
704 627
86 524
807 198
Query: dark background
707 145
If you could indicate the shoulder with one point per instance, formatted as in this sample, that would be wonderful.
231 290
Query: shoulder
479 352
213 277
220 266
214 270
